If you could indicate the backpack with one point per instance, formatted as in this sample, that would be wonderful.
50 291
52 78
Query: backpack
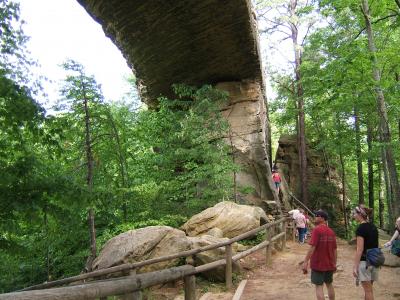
395 249
375 257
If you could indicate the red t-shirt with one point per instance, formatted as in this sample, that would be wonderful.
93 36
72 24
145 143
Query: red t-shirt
276 177
323 257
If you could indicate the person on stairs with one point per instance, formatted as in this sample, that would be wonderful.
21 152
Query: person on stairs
276 178
322 255
367 238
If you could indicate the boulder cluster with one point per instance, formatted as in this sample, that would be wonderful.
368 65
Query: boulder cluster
213 225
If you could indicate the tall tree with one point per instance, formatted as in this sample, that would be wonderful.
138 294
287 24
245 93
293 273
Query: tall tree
382 112
370 162
82 93
292 19
360 174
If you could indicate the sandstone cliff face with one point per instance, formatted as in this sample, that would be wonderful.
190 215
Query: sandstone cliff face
246 114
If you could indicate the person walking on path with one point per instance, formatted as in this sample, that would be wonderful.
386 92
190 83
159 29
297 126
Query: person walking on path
276 178
306 229
367 238
300 221
396 234
322 255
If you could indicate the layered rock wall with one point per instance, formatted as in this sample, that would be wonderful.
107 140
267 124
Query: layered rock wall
192 42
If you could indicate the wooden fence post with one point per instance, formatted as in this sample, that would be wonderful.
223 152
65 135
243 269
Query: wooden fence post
268 252
136 295
276 230
284 235
190 287
294 232
228 266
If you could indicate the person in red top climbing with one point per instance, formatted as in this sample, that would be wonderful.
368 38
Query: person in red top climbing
323 254
276 178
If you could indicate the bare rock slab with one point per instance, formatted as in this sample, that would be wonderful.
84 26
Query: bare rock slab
231 218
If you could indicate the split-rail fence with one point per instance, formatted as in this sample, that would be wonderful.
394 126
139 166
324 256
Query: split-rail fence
129 287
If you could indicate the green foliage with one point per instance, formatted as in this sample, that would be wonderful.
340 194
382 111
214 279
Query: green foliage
185 153
325 195
254 240
149 165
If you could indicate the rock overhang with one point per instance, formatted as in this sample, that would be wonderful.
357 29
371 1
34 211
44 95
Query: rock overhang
191 42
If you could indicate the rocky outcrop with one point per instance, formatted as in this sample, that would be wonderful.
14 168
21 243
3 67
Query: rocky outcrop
319 172
142 244
246 115
231 218
390 259
192 42
225 219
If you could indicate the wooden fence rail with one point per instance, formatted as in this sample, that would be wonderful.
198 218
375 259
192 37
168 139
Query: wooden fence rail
130 285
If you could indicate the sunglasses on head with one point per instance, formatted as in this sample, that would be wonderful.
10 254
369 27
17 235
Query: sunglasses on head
359 211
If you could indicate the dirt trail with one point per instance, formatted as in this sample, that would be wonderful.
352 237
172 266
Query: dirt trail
284 279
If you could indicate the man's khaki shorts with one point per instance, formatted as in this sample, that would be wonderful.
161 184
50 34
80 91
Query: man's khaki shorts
367 274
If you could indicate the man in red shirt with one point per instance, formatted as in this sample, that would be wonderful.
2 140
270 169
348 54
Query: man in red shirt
323 256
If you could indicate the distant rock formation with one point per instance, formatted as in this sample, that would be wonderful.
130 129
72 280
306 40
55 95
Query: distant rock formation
319 173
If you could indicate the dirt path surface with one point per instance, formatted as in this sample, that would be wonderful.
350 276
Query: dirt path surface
284 279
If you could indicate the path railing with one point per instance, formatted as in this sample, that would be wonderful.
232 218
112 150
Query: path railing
130 286
301 204
293 201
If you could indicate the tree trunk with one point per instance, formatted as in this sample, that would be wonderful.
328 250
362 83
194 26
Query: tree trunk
234 172
92 233
343 191
397 3
89 182
397 78
359 158
46 229
388 189
384 123
343 175
370 168
300 106
88 147
381 197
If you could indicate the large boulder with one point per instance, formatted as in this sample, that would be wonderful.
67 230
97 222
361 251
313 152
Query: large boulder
142 244
231 218
390 259
209 256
